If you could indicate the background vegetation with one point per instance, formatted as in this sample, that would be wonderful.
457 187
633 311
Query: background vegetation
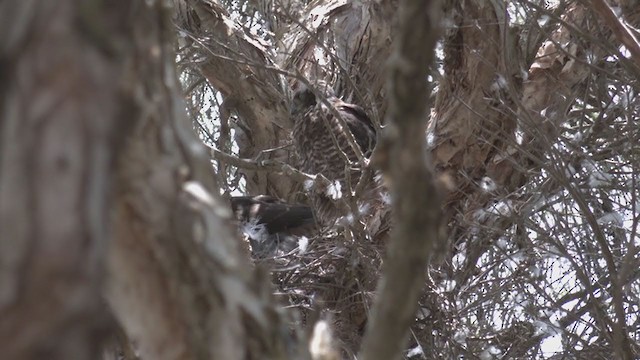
510 144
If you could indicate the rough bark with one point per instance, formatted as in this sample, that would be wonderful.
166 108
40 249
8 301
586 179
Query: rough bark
62 118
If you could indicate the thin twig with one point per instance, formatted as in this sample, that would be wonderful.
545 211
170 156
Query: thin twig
263 165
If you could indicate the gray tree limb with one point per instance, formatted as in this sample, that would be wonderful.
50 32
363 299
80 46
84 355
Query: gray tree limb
416 205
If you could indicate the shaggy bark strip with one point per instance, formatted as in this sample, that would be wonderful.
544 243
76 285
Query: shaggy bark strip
416 204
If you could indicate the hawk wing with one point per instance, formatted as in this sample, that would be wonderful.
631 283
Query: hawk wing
271 225
360 126
277 215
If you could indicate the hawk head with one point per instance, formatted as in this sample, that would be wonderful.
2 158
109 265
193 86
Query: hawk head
305 97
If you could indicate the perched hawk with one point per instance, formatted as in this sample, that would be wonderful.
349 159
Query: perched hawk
321 141
270 223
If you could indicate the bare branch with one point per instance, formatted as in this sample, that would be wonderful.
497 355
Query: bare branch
262 165
403 160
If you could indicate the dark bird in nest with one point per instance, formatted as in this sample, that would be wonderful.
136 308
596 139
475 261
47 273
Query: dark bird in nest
272 224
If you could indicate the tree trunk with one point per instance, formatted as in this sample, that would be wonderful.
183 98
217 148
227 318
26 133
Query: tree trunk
63 118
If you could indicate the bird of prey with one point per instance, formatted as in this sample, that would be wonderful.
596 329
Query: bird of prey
321 128
270 223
